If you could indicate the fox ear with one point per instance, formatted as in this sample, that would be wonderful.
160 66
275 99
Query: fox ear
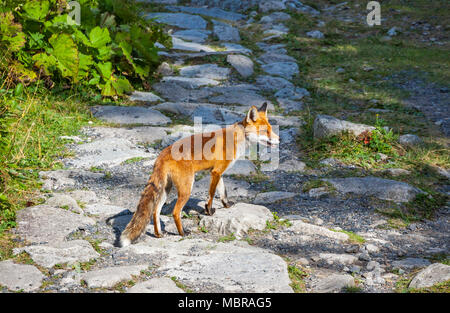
252 115
263 108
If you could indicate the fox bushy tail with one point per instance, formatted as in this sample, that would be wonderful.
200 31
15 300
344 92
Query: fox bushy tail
150 198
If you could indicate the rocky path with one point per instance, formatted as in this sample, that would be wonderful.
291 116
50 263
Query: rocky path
276 229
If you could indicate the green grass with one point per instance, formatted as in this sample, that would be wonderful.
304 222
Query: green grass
181 285
297 275
227 238
277 222
133 160
352 236
35 120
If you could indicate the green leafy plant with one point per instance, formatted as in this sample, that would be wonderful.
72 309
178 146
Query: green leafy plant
111 49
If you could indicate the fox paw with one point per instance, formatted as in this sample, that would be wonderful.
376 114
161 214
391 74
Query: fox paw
227 204
209 211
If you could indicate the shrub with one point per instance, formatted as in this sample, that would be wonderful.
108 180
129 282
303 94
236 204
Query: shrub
111 48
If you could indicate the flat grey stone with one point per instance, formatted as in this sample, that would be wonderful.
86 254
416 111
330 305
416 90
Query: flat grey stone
135 135
220 267
129 115
290 105
334 258
431 275
182 108
397 171
410 263
317 34
195 35
174 92
108 277
291 165
181 20
334 283
288 135
271 5
225 32
245 98
62 252
272 48
156 285
144 97
43 223
275 17
384 189
212 12
234 47
295 93
289 121
18 277
242 64
237 220
217 116
180 44
64 201
410 140
63 179
190 83
104 210
326 126
241 167
106 152
211 71
273 57
318 192
283 69
84 196
273 196
303 228
271 83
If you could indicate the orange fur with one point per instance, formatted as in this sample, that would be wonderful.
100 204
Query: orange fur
222 148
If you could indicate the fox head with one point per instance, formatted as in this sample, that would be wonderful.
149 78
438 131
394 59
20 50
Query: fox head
257 127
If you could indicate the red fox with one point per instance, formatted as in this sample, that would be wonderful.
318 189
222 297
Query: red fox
177 164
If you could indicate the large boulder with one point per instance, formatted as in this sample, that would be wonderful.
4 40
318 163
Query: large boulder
237 220
431 275
327 126
242 64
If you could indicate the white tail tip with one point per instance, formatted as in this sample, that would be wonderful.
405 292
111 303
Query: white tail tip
124 241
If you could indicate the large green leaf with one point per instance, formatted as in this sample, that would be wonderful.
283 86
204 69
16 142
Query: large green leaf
66 53
36 10
99 37
84 66
45 61
11 33
105 69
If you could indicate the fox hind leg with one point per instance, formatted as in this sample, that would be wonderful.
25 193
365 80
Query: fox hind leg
184 187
